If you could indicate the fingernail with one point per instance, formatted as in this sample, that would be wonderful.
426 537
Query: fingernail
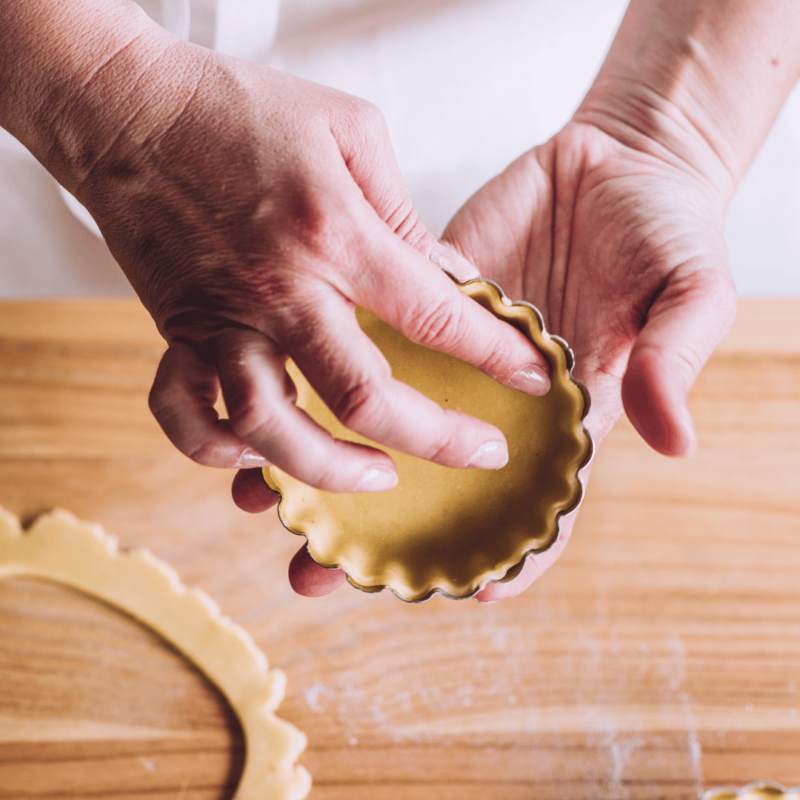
250 458
492 455
377 479
531 379
452 262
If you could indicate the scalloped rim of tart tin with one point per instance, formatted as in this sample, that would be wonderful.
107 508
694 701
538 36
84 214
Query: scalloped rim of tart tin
528 319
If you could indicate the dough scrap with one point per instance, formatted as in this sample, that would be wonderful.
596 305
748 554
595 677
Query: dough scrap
60 548
757 790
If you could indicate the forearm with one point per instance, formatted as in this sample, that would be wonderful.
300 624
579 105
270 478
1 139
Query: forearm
699 81
77 74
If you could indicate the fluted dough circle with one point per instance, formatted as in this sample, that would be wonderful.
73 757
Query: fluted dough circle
60 548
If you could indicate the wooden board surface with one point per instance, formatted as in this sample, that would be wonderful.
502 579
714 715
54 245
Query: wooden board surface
659 658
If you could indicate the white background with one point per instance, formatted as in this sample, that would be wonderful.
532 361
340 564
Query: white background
466 86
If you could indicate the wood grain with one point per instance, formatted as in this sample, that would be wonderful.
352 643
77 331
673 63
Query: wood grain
660 657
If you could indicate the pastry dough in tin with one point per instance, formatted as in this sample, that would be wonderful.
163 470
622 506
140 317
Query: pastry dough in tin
442 529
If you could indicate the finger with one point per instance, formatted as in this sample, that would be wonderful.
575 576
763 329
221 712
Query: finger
391 279
309 579
182 401
354 379
251 493
363 138
362 135
263 414
429 309
536 564
683 327
453 263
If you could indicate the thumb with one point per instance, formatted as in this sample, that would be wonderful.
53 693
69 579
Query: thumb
684 325
365 145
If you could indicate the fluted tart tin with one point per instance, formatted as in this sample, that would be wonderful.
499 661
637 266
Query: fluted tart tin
443 529
757 790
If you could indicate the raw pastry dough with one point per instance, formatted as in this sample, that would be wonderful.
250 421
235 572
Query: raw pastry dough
759 790
60 548
441 529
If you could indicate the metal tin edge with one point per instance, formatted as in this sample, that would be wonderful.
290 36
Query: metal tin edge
769 789
498 304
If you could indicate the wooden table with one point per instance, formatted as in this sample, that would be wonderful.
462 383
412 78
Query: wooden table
660 657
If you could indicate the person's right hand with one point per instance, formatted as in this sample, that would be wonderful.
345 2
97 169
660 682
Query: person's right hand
253 211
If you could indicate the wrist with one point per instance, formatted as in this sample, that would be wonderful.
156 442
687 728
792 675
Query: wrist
698 82
78 76
631 112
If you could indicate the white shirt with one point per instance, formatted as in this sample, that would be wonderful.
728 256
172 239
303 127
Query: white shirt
466 86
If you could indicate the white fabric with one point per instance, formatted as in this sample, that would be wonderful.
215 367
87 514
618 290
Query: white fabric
241 28
466 86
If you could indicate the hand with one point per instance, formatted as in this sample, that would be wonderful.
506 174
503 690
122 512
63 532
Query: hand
622 252
252 211
253 214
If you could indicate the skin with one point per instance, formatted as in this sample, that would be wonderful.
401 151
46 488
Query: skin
613 228
252 212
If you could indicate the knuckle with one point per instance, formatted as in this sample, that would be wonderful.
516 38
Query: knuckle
326 234
326 477
208 453
161 397
157 401
498 360
310 222
682 364
247 412
688 361
179 430
362 405
441 452
405 222
438 326
368 116
166 406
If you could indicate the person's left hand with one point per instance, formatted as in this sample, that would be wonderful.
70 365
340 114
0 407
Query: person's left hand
620 247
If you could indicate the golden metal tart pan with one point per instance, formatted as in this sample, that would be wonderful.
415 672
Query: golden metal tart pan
758 790
442 529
